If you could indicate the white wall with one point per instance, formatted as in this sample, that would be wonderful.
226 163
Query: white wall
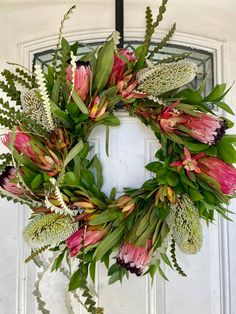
22 21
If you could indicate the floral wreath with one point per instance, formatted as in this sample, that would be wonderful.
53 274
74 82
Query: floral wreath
48 167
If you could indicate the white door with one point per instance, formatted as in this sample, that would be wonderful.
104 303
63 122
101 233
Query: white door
28 27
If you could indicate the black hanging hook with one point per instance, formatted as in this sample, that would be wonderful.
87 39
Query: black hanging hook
120 21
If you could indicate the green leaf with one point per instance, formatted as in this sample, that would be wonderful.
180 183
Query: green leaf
107 140
216 93
225 107
79 102
62 116
57 262
77 280
195 195
110 241
92 270
98 166
153 166
195 147
37 181
73 152
162 273
172 178
104 66
114 277
111 120
87 178
166 260
212 182
56 90
112 194
104 217
175 138
191 96
71 179
227 151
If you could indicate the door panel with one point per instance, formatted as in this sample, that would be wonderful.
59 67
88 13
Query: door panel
132 145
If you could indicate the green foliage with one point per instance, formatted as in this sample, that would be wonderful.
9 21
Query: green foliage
175 58
164 41
12 116
79 280
5 160
174 260
59 42
35 253
103 67
8 86
117 273
142 51
109 242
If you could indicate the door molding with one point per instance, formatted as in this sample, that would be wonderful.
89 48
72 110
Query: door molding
220 250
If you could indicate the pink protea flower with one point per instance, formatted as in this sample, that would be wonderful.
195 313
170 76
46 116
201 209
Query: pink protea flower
126 87
134 258
8 182
205 128
119 65
46 159
92 236
96 108
21 143
189 162
223 173
82 78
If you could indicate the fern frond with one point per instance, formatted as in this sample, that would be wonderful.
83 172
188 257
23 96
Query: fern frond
40 79
73 68
6 160
150 26
52 207
30 79
35 253
59 197
16 78
8 123
149 22
26 70
5 156
174 260
175 58
65 18
16 199
164 41
11 116
9 87
37 293
161 12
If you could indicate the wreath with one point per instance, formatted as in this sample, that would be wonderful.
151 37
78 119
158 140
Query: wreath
47 168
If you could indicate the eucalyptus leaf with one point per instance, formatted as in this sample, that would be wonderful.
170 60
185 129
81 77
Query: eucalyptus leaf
110 241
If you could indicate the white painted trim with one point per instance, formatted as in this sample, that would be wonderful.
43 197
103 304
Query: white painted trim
26 51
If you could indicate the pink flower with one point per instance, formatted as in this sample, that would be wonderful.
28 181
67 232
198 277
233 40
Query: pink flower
205 128
8 182
45 159
21 143
92 236
97 108
189 163
126 88
134 258
119 65
82 78
223 173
